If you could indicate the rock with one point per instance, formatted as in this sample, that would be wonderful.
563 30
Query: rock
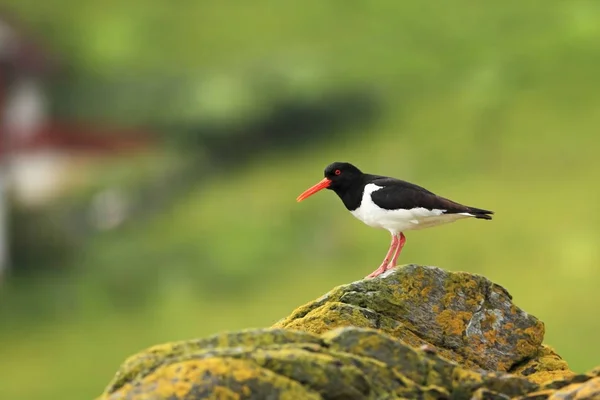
144 363
414 332
545 366
346 363
579 391
467 318
578 387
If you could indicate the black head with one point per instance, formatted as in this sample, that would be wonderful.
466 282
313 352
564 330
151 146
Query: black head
339 177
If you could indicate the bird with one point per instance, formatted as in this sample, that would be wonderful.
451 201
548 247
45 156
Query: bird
392 204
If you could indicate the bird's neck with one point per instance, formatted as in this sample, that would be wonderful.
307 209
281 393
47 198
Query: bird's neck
351 195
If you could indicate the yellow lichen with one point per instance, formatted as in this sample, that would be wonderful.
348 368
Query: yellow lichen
412 288
544 377
329 316
457 358
579 391
524 346
461 376
453 322
458 284
406 336
546 366
541 394
176 381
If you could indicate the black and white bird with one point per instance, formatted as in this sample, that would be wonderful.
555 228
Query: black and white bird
391 204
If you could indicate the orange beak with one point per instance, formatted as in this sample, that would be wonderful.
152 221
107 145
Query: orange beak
312 190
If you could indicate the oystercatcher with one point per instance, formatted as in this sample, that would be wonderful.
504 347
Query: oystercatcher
391 204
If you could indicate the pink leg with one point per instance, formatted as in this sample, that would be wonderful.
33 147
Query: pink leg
398 250
384 265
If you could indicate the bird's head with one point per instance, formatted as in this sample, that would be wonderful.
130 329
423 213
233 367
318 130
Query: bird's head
338 177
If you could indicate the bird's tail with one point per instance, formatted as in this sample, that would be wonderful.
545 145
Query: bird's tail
480 213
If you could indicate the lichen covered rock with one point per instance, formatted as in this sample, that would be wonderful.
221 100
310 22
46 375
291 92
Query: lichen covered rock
414 332
347 363
465 317
577 387
544 366
590 389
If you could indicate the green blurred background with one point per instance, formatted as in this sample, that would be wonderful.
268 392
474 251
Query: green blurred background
157 189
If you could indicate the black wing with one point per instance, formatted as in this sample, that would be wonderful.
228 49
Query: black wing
397 194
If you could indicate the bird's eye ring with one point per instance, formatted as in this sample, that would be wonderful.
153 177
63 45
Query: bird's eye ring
337 172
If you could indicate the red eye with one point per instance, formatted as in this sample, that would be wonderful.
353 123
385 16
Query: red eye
337 172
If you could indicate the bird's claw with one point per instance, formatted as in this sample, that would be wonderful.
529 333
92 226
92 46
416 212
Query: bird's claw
380 271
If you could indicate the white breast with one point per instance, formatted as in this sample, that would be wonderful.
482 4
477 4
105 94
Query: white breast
400 220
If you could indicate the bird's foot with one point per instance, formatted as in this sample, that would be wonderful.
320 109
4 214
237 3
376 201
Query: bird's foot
375 273
380 271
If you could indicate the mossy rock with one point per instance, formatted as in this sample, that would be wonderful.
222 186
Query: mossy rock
413 332
577 387
346 363
464 317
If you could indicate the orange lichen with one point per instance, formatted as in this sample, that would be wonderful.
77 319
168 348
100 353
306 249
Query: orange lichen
489 320
491 336
453 322
425 291
473 302
536 332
